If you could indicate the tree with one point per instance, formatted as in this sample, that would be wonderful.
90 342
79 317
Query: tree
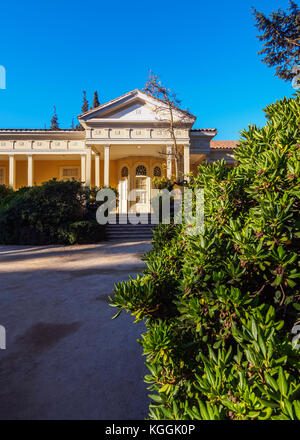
168 111
222 309
54 121
85 103
280 34
96 101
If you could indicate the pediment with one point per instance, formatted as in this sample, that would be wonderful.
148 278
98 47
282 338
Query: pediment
135 106
137 111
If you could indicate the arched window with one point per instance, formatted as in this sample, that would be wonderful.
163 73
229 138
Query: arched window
141 170
124 172
157 172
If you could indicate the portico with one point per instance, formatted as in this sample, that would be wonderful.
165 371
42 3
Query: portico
123 143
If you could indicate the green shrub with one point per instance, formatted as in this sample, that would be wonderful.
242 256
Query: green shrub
4 192
47 214
83 232
220 307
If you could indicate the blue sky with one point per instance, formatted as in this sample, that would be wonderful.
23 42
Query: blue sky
204 50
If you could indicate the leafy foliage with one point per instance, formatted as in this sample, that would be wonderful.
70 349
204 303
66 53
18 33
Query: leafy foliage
281 46
55 212
54 121
96 101
85 103
5 191
219 307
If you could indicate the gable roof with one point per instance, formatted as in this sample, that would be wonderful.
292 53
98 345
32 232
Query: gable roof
132 93
224 145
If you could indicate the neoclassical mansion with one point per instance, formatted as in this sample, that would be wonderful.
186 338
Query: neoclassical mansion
124 143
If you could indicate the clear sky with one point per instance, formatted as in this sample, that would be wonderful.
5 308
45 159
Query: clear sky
204 50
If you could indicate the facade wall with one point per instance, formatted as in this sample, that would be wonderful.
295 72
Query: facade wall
45 170
21 173
48 169
132 162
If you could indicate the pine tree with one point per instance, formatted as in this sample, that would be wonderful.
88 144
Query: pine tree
54 121
281 42
85 103
96 102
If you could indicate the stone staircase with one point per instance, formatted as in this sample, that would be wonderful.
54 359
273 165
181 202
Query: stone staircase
123 230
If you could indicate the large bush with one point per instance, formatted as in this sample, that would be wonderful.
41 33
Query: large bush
55 212
220 307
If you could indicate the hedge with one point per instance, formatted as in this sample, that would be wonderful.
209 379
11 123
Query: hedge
54 212
220 307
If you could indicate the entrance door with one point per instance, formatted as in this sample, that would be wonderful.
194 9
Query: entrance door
123 190
123 196
142 194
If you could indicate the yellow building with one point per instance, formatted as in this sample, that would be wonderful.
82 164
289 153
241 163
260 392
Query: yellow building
123 143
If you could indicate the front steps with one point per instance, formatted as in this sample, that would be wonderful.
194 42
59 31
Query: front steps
124 230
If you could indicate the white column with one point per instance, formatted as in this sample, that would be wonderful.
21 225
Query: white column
186 159
180 166
12 171
106 165
88 167
169 151
97 170
29 170
83 161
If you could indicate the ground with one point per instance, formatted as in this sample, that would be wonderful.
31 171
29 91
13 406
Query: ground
65 358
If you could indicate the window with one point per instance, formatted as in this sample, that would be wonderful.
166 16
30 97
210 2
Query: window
141 171
141 183
141 189
157 172
124 172
2 176
69 173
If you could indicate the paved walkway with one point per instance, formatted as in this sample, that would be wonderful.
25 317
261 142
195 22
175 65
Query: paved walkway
65 357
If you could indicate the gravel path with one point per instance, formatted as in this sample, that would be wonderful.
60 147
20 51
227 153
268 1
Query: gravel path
65 357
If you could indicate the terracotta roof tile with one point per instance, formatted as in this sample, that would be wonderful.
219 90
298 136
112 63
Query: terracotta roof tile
203 129
197 130
223 145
